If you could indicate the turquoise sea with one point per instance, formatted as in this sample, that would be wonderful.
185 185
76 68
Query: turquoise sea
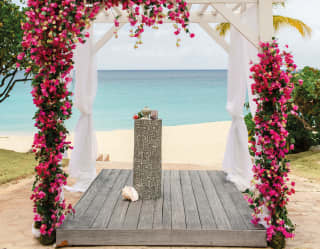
180 96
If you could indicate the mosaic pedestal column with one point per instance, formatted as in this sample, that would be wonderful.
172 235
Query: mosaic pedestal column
147 158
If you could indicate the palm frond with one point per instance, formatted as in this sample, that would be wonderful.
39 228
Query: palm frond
223 28
300 26
283 4
278 22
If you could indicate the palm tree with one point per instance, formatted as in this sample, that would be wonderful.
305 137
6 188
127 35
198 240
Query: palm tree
278 22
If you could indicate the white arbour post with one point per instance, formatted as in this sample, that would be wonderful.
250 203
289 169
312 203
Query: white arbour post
265 20
204 13
265 35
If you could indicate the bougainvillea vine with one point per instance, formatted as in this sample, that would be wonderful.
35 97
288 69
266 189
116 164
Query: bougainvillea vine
272 87
51 32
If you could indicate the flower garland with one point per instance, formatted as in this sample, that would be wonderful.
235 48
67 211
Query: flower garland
152 14
272 87
51 31
50 35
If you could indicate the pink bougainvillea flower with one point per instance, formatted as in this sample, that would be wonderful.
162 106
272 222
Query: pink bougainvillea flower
37 217
21 56
272 86
43 229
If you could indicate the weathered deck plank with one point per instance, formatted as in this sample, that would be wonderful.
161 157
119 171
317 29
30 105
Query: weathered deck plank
217 209
146 214
166 210
178 215
120 210
133 214
235 219
81 218
239 202
95 206
197 208
191 209
102 219
206 217
158 208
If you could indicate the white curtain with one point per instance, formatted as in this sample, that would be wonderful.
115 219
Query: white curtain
237 162
82 164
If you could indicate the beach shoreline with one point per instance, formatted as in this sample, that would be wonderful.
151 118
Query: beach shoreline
201 144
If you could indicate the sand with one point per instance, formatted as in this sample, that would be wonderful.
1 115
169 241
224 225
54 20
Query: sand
188 144
16 212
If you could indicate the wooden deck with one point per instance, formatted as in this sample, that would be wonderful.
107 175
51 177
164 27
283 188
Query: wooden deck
197 208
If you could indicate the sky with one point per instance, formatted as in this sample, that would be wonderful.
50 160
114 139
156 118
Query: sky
159 50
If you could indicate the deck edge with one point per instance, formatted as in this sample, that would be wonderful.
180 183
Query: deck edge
98 237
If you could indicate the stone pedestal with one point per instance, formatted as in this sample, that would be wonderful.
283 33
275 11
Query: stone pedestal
147 158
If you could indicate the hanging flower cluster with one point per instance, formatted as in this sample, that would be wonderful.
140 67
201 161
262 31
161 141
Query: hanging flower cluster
51 31
273 87
151 13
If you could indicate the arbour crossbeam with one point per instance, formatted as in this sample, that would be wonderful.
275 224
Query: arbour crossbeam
204 13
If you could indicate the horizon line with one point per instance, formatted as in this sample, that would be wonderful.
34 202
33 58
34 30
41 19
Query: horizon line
162 69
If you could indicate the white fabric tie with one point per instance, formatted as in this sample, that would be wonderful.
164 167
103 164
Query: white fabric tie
237 162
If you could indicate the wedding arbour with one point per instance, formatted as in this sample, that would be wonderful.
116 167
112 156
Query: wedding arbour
51 32
204 13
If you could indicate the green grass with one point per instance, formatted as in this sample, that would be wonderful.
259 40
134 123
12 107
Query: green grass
306 164
15 165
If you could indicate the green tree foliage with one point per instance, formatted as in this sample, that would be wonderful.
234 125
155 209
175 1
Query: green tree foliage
305 128
11 16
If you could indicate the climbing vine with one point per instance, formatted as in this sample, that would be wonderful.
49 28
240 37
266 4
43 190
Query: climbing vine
51 32
272 87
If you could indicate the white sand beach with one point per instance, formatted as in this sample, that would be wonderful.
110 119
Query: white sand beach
201 144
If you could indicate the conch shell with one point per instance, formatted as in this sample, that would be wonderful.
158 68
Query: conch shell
129 193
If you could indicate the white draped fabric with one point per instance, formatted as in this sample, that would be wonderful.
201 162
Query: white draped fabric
83 157
237 162
250 53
